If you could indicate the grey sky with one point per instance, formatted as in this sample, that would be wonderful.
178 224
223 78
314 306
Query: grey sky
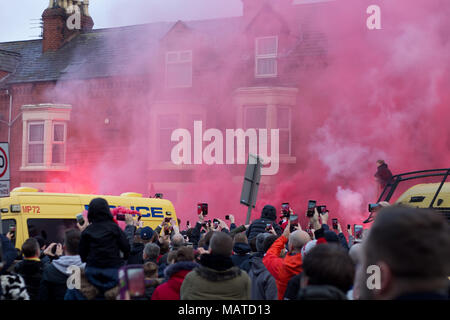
16 16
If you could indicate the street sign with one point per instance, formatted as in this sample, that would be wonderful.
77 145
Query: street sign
4 170
251 183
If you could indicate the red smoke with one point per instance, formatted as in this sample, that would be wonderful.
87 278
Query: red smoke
383 94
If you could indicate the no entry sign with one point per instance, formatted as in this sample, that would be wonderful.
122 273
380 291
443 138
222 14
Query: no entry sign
4 169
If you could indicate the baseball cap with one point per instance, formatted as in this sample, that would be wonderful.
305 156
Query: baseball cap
146 233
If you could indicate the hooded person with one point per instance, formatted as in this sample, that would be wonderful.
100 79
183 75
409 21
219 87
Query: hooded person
183 263
264 286
217 278
54 276
104 247
268 217
383 174
241 252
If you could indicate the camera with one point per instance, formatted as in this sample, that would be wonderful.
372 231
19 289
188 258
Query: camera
311 206
322 209
202 208
285 209
335 224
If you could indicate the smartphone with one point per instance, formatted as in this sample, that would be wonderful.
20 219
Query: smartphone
293 218
311 206
227 217
335 224
202 208
358 231
373 207
120 217
187 223
158 195
12 229
285 209
168 213
216 223
268 226
322 209
131 279
349 227
80 219
167 219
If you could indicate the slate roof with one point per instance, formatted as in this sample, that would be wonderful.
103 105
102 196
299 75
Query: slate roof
108 52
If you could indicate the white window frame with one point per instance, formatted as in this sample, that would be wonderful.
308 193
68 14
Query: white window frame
64 124
266 56
49 115
178 61
271 121
29 124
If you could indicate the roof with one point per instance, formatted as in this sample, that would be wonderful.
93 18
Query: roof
107 52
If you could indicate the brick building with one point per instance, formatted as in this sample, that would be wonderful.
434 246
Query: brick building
78 98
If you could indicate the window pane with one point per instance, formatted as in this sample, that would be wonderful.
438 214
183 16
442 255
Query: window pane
165 144
6 224
283 118
35 153
58 153
172 57
185 56
255 118
284 141
179 75
267 46
36 132
266 66
52 230
58 132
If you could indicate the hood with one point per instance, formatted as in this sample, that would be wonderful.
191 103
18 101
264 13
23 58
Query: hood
179 266
65 261
137 248
269 212
321 292
256 265
330 236
218 276
241 248
99 211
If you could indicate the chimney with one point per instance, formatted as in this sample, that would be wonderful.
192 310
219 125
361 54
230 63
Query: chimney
55 22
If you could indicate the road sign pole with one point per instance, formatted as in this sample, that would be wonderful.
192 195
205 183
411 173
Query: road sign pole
249 214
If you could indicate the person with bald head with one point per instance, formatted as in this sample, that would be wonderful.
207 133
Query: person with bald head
217 278
283 269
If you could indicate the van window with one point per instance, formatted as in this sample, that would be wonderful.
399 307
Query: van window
52 230
6 224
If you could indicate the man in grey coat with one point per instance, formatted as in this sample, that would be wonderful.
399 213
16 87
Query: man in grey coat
264 286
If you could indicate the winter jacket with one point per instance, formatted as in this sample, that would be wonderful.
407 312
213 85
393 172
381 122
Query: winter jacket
54 277
12 287
9 253
241 256
87 291
293 287
136 252
321 292
31 272
268 216
175 273
103 240
283 269
264 286
216 279
383 175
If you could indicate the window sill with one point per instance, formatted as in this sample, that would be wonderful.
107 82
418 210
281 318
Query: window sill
44 168
288 159
266 76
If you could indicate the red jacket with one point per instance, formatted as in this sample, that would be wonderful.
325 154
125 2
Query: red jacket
282 269
170 290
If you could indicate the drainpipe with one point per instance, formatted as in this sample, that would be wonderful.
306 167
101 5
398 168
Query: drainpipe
10 115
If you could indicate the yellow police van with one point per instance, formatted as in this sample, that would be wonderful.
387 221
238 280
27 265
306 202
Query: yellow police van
48 215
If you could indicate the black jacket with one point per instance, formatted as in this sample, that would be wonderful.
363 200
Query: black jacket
136 254
383 175
321 292
53 284
31 272
268 216
103 240
241 256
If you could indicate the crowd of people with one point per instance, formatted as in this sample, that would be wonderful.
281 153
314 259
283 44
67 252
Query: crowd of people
265 260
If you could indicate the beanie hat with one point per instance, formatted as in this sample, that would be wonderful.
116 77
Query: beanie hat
330 236
269 212
308 246
146 233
